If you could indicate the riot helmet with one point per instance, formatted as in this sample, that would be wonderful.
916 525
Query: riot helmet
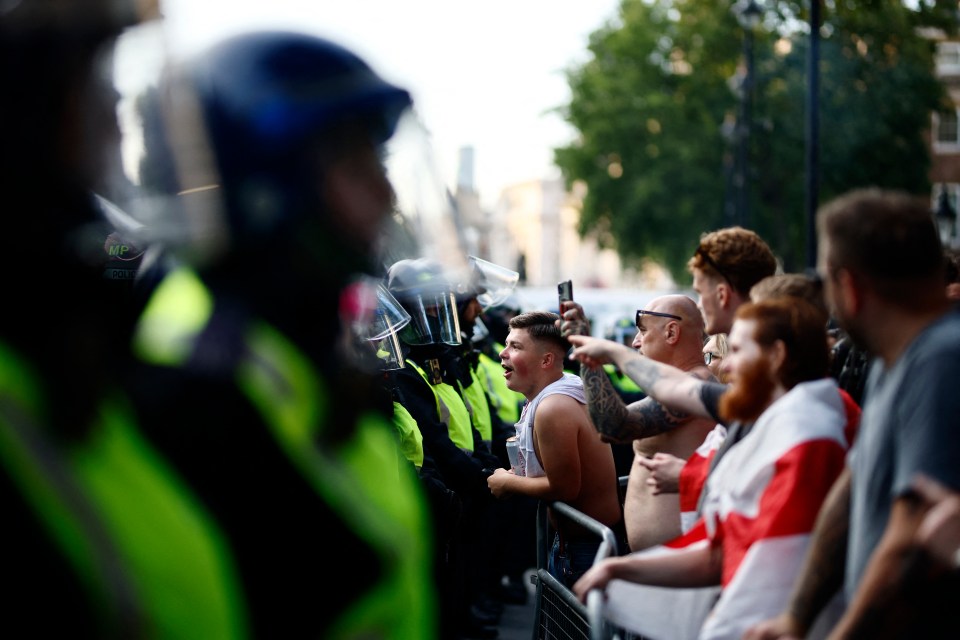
486 283
376 319
490 283
427 293
624 330
263 137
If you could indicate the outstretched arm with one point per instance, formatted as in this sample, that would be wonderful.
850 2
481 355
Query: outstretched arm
670 386
696 567
618 422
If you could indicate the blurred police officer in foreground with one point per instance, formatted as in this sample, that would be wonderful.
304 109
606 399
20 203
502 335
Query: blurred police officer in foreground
103 537
264 177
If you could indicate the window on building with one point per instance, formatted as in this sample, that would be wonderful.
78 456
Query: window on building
947 224
948 128
948 57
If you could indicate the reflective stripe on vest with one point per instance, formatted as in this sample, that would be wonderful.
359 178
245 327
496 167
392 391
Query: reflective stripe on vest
411 440
132 531
621 381
452 410
476 396
388 513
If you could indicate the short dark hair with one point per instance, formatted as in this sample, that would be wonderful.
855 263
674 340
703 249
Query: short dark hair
738 255
542 326
803 331
888 236
798 285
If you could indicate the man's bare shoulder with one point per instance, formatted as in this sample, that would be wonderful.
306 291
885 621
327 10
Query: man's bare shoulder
560 407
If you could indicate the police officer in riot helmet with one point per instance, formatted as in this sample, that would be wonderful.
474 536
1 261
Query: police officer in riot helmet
265 152
431 385
296 126
427 293
99 530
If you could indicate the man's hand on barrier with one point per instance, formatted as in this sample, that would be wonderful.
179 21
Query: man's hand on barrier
780 628
596 577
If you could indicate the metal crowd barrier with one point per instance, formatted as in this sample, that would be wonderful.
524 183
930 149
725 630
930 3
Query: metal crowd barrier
559 614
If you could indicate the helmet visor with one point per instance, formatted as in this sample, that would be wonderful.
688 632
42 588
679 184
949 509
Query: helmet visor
433 319
495 283
389 352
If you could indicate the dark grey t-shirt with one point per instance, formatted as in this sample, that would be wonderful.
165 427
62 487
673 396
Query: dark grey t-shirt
910 423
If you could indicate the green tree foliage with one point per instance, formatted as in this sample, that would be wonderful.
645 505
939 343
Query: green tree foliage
656 102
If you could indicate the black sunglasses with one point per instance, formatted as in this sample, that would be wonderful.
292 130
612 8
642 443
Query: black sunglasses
706 258
710 356
643 312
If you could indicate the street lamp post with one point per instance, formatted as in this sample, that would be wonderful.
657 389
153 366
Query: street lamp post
813 133
748 14
946 217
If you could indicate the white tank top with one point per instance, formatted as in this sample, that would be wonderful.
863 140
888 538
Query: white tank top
569 385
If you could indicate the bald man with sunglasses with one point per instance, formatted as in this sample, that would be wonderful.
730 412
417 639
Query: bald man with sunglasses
670 329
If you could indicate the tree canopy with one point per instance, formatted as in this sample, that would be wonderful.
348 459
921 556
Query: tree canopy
657 102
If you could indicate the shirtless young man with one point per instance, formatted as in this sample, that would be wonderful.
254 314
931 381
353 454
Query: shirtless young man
561 456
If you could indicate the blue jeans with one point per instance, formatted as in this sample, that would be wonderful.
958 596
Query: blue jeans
577 557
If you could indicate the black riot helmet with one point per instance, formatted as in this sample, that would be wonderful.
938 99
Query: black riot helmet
427 293
246 135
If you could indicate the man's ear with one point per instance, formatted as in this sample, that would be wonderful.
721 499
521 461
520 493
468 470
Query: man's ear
672 332
730 298
851 291
778 355
548 359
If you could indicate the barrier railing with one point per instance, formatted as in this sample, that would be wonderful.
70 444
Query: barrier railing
559 614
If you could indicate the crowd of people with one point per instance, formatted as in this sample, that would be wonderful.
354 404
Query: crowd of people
815 515
215 401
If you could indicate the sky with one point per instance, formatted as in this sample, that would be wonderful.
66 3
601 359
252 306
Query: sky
482 74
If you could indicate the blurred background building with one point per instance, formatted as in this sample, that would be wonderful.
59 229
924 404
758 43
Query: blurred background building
533 230
945 144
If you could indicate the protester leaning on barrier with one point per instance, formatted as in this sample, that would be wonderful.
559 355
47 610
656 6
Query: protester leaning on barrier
561 457
264 152
899 312
520 536
764 495
105 537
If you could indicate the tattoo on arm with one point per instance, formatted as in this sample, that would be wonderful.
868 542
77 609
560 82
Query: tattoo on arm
644 372
618 422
